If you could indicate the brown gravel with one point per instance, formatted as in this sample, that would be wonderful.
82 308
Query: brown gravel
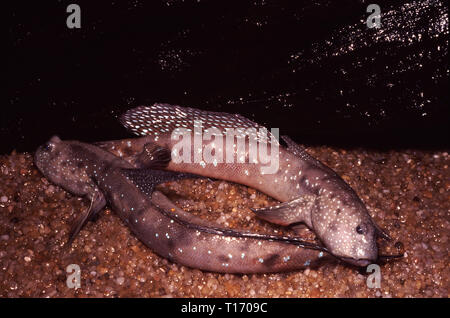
406 192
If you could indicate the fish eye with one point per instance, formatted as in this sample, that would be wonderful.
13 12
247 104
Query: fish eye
360 229
48 147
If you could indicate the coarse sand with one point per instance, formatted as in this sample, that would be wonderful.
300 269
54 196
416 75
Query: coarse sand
407 193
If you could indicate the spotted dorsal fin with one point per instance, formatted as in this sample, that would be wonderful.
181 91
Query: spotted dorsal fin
162 119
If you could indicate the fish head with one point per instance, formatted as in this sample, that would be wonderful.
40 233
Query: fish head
59 163
346 229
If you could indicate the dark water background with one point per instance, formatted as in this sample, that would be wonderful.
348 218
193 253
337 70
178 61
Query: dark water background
311 68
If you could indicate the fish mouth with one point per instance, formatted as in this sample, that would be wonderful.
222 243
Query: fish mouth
358 262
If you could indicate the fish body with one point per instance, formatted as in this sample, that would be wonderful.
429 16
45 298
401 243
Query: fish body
311 192
89 171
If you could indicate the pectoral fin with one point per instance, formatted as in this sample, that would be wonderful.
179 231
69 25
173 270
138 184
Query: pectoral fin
98 201
286 213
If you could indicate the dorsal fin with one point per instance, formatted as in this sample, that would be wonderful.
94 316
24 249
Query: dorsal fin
161 119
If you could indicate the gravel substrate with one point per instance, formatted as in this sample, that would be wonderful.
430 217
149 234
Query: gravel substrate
406 192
